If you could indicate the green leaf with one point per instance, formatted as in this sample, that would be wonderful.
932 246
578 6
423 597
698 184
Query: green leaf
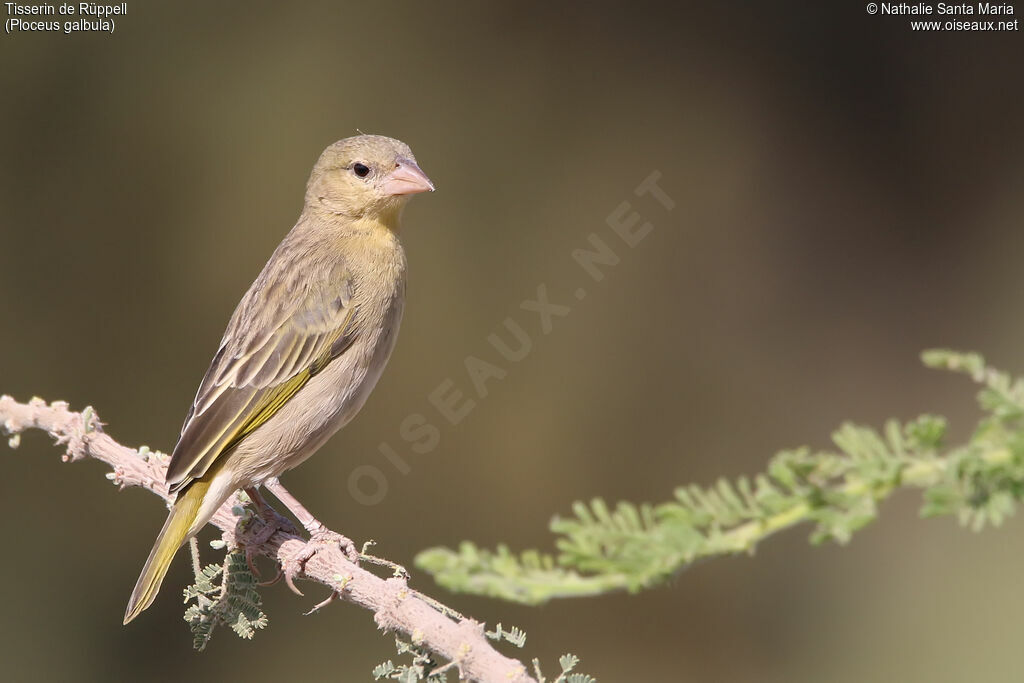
838 491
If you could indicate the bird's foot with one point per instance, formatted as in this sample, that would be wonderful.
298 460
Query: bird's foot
319 539
258 531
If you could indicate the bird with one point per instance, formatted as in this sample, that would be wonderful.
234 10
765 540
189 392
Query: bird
302 350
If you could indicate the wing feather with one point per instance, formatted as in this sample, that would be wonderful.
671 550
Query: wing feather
264 360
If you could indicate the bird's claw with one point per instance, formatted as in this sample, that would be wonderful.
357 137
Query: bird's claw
271 582
256 534
318 540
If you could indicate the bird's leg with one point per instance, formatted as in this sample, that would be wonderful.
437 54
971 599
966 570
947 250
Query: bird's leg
271 523
319 535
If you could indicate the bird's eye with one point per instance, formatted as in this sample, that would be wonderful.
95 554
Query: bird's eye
361 170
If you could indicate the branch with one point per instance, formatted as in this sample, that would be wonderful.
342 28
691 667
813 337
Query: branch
395 606
634 547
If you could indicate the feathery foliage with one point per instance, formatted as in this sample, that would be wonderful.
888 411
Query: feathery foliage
233 601
515 635
425 668
568 663
633 547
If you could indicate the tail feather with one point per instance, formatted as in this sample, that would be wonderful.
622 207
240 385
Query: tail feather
171 537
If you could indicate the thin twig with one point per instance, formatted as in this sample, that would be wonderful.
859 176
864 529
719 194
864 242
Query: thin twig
394 605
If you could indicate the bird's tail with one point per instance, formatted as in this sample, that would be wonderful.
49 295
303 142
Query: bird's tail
176 529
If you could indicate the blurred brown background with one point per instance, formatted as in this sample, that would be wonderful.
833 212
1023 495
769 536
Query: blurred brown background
848 193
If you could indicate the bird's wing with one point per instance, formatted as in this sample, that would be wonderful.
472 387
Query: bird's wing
283 332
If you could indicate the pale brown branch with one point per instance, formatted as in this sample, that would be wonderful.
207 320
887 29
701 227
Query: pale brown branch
394 605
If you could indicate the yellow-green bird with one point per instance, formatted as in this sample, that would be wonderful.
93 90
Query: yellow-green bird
304 347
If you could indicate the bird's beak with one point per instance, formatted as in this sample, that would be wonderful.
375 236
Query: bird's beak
407 178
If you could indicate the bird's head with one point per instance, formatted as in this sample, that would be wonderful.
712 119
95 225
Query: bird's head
366 176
